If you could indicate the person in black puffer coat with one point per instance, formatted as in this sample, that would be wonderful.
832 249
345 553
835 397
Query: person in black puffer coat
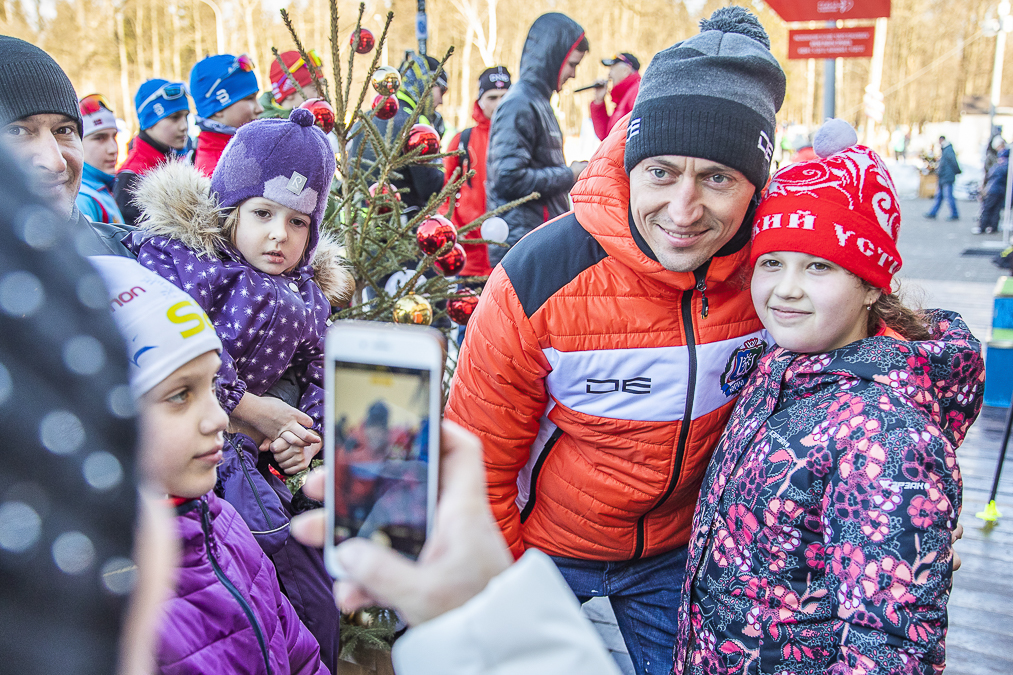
525 152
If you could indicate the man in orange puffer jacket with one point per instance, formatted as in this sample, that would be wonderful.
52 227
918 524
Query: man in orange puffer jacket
604 357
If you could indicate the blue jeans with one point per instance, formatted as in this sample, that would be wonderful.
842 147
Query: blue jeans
645 596
945 191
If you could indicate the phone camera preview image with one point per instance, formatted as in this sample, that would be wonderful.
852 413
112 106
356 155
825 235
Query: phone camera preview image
381 455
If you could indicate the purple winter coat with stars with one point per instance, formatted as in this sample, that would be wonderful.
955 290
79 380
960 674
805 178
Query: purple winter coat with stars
228 614
267 323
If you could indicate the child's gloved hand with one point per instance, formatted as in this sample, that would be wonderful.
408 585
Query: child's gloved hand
290 451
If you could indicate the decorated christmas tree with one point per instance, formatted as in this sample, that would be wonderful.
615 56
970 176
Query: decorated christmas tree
405 259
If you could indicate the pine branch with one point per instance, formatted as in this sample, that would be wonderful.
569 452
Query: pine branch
340 108
376 58
284 69
310 66
494 213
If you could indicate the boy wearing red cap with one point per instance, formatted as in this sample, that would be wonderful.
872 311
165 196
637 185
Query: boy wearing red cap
284 94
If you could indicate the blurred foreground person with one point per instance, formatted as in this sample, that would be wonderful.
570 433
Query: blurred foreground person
68 498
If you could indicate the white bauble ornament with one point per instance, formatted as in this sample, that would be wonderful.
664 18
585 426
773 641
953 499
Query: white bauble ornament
495 229
399 279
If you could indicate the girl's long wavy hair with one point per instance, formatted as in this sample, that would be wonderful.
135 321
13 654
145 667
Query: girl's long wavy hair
891 310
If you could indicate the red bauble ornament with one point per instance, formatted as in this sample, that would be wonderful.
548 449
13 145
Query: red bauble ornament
452 262
434 233
323 112
425 137
385 107
461 308
387 193
364 44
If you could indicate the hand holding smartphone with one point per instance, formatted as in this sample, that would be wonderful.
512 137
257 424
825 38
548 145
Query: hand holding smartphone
383 399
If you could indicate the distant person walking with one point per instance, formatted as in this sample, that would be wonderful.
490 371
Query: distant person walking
525 142
624 72
946 171
995 195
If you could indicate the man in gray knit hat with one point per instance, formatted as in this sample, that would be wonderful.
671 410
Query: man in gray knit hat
40 123
605 356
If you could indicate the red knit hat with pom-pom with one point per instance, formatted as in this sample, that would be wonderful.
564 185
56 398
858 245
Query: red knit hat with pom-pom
841 207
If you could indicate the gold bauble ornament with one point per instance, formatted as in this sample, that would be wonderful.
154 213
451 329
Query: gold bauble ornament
386 80
414 309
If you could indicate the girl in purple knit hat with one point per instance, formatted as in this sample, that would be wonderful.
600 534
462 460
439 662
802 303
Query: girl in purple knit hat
247 246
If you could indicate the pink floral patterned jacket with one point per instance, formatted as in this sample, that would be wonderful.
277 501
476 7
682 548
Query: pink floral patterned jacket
821 541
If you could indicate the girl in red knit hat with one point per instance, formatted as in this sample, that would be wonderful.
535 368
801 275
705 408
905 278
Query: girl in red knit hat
822 538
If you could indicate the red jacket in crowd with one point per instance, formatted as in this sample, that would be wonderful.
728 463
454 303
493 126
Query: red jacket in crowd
470 201
623 95
210 146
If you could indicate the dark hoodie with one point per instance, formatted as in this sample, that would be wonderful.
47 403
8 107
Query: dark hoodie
525 143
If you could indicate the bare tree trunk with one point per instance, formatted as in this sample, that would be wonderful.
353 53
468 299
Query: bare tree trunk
156 44
810 91
142 70
251 43
198 34
464 108
492 42
126 109
318 27
177 46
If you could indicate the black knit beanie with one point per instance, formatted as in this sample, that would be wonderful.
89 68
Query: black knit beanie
32 83
712 96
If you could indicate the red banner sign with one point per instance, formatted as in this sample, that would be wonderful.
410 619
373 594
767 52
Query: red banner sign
829 10
831 43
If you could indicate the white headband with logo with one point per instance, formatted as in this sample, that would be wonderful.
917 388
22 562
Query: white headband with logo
164 328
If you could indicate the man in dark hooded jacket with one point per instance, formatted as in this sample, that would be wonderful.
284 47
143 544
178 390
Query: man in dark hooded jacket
525 152
421 180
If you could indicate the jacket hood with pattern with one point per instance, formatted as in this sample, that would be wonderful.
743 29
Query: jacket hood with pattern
178 204
601 199
550 40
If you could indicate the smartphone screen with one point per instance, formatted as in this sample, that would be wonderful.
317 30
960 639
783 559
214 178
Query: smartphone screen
381 454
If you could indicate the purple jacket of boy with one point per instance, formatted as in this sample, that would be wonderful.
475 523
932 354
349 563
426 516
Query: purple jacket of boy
228 614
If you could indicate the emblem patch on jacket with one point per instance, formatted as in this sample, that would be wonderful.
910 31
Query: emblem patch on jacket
740 364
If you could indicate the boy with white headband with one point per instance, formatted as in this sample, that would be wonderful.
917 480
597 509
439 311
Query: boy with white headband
226 584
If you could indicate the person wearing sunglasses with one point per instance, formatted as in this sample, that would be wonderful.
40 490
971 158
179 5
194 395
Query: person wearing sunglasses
96 199
224 89
624 72
284 95
162 110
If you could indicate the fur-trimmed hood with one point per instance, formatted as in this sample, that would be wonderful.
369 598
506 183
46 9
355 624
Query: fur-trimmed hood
176 202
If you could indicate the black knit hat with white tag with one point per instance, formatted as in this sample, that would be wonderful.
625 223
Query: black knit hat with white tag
712 96
32 83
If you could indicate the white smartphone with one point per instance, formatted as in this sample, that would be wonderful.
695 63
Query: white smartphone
381 442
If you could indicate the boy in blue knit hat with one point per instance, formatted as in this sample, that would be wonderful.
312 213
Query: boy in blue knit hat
162 109
224 88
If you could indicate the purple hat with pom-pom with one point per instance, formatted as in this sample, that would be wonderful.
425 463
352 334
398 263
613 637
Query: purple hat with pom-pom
286 161
712 96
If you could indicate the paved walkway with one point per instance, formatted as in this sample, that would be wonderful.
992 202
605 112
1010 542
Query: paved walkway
936 273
